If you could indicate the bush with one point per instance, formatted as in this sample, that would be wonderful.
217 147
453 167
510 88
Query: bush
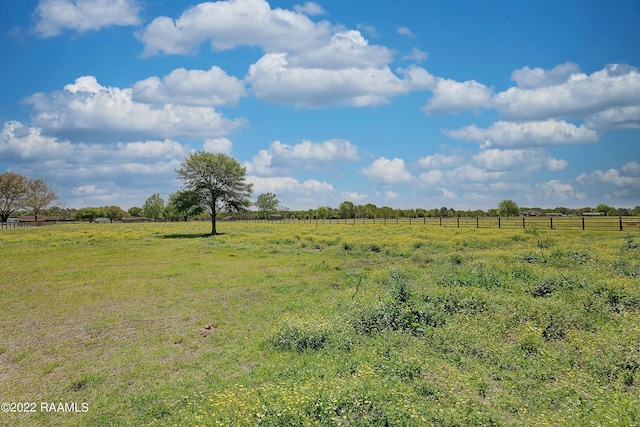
618 300
372 247
401 312
298 335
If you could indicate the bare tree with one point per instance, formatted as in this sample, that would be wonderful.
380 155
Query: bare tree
39 196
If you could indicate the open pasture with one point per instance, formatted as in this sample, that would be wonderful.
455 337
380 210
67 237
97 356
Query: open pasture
330 324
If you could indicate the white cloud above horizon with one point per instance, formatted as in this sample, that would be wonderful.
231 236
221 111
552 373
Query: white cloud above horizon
52 17
93 111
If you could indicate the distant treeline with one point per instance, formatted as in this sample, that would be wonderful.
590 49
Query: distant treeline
346 210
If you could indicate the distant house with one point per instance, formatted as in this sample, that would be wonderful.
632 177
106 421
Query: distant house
31 219
554 214
592 213
102 220
529 212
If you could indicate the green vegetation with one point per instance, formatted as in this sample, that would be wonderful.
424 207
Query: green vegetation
335 324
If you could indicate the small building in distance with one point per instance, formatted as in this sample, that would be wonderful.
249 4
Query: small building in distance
31 219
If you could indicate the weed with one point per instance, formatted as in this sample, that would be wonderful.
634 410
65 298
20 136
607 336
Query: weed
534 231
626 268
618 300
456 259
546 243
402 312
630 244
298 335
372 247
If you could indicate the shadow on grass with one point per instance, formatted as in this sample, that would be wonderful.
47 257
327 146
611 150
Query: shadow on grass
189 235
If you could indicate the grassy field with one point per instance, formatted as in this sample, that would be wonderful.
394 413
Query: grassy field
300 325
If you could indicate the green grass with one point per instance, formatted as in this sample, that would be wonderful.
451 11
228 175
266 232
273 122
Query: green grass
330 324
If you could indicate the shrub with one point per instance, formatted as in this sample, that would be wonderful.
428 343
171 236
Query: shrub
299 335
401 312
618 300
372 247
627 269
580 257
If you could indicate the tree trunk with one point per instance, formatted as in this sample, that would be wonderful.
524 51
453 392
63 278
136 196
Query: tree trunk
213 225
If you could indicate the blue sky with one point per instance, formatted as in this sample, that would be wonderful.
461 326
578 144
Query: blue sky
400 103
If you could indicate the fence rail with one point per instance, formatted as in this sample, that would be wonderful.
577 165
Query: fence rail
8 225
592 223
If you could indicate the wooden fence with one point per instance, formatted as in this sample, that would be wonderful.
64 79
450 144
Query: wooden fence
592 223
8 225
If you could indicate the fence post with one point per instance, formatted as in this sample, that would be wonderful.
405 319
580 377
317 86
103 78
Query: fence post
440 221
582 223
477 222
620 218
523 223
499 222
551 221
458 218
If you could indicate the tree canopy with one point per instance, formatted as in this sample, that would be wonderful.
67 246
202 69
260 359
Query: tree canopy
508 208
185 203
219 181
39 196
18 191
13 191
153 207
267 204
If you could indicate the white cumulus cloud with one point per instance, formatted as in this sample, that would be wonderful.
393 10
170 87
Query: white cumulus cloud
304 194
416 55
231 23
503 134
212 87
304 155
405 31
528 78
54 16
520 160
450 96
274 79
88 110
387 171
218 145
578 96
310 8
